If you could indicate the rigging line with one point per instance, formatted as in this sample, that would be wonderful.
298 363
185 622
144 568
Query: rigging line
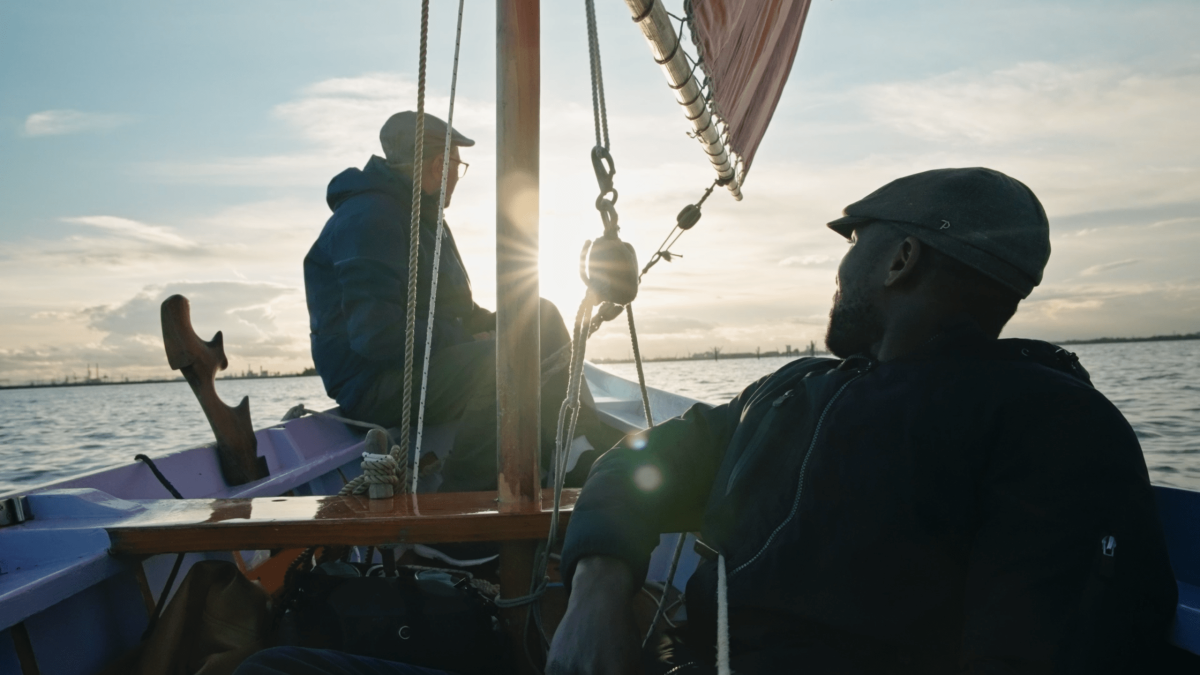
637 360
599 107
437 254
414 240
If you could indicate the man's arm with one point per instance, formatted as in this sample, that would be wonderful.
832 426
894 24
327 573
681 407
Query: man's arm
1041 594
598 634
652 482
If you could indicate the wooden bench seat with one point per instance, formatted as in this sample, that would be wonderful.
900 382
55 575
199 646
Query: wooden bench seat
193 525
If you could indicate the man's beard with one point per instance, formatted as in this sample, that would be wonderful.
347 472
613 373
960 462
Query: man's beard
854 325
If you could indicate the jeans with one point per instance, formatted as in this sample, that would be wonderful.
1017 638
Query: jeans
462 388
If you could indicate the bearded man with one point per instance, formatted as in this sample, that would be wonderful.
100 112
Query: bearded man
933 500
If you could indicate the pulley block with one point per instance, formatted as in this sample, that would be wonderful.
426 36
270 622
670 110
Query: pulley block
608 266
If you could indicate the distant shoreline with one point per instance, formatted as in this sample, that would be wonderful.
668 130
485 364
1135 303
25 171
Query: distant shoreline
706 356
1112 340
94 383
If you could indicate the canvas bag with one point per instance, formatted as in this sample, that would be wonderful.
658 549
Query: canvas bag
216 620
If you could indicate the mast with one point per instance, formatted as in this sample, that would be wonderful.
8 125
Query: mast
518 334
656 24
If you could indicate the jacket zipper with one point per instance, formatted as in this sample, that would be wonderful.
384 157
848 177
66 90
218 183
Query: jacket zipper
803 469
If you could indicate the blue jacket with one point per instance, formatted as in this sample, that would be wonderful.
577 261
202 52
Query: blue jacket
356 281
939 513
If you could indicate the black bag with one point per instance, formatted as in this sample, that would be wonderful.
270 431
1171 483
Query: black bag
422 617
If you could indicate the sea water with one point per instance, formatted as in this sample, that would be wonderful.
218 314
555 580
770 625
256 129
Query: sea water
48 434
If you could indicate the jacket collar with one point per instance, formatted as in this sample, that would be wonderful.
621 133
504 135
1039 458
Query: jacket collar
401 186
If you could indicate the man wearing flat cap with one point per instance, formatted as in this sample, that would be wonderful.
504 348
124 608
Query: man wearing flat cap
356 283
932 500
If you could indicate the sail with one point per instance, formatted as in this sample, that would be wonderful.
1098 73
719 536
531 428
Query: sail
747 48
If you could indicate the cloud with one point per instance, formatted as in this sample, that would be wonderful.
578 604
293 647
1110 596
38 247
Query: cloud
215 305
62 122
336 122
1042 101
132 229
1085 138
1105 267
260 321
804 260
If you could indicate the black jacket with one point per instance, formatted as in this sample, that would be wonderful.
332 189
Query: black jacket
938 513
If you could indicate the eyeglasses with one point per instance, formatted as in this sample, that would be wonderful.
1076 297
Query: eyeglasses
462 167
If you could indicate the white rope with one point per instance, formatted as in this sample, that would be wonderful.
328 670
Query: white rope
298 411
437 253
722 619
568 417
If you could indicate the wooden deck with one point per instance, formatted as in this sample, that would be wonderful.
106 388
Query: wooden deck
192 525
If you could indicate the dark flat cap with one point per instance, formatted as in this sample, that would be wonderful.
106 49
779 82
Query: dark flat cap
978 216
398 133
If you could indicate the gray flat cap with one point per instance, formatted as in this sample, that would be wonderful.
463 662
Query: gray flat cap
397 134
980 217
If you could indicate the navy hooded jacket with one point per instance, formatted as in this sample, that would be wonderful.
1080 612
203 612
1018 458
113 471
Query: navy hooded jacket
356 281
943 512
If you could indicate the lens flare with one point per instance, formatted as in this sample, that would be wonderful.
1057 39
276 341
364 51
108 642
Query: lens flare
648 478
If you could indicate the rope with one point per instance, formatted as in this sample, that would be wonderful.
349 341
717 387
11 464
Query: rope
361 483
414 239
379 469
298 411
159 475
599 109
568 417
722 619
437 251
637 360
162 599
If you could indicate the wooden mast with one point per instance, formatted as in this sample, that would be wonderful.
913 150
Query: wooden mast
518 335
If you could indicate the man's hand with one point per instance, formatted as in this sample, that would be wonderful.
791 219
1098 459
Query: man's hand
597 635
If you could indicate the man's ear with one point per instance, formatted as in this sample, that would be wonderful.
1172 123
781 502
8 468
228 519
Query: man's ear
431 178
903 263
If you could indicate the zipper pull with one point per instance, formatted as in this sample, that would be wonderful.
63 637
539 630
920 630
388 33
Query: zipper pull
783 399
1108 549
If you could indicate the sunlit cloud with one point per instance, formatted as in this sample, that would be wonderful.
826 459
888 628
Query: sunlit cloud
795 260
62 122
258 320
151 234
1105 267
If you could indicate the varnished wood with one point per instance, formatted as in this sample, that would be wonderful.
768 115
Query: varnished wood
192 525
518 350
139 573
518 334
200 361
24 649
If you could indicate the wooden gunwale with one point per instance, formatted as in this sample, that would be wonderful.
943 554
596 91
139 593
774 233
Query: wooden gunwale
195 525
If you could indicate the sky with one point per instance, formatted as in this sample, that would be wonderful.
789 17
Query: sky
152 148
